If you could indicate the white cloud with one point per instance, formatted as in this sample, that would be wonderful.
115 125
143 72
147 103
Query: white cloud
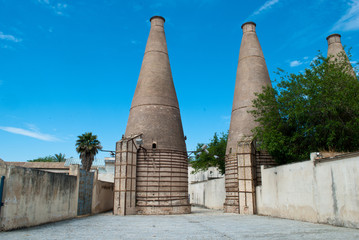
5 46
46 29
32 127
305 60
350 20
9 37
58 7
268 4
33 134
295 63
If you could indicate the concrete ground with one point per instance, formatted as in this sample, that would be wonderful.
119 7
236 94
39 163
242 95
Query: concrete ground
201 224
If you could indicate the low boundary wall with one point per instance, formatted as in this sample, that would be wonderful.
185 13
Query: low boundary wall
209 194
319 190
102 196
207 188
32 197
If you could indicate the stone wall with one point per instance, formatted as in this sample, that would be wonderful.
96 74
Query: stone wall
319 190
32 197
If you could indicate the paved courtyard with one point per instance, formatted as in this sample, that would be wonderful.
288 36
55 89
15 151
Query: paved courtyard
201 224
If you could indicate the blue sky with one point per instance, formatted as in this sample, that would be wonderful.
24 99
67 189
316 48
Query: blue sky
67 67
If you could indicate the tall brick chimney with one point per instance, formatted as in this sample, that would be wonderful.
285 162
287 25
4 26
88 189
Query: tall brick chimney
154 110
334 45
161 159
252 75
336 50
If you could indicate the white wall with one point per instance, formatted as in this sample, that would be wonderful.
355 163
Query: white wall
102 195
107 172
207 188
323 191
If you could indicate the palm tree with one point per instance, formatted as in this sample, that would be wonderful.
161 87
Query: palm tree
87 146
59 157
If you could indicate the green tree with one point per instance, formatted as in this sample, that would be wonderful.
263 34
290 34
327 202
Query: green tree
215 156
87 146
60 157
56 158
43 159
311 111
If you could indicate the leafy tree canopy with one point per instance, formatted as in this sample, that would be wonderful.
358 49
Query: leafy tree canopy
56 158
43 159
315 110
60 157
87 146
215 156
